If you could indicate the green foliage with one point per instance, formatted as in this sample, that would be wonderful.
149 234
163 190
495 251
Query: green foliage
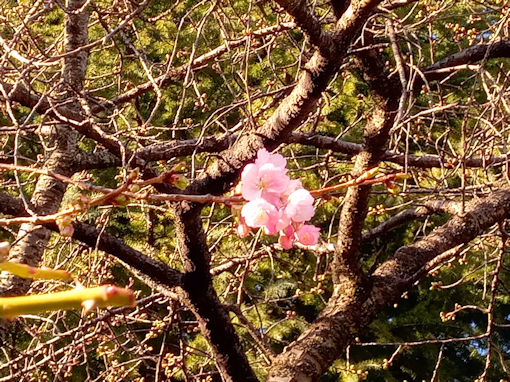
279 292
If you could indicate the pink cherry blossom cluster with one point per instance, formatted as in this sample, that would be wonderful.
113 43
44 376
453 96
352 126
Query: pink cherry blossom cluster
276 203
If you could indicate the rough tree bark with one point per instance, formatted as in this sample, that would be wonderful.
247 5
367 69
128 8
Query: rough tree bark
199 295
48 193
395 276
309 356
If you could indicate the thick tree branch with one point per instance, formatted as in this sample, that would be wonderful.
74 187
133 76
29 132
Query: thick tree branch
214 144
48 191
10 205
159 151
407 266
475 53
346 272
338 325
200 296
309 24
156 271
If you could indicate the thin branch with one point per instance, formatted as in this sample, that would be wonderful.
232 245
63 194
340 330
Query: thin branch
412 214
95 238
180 72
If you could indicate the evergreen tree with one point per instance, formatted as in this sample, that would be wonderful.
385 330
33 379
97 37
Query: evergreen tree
127 126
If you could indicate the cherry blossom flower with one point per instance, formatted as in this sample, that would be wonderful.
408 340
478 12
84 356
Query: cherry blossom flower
285 241
260 213
300 206
308 234
286 238
277 160
266 181
275 202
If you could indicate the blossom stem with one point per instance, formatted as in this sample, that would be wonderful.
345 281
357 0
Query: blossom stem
357 182
102 296
28 272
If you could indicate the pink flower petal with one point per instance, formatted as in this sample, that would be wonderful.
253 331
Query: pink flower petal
288 231
285 241
308 234
242 229
270 228
283 221
273 179
294 185
263 157
260 213
250 180
300 206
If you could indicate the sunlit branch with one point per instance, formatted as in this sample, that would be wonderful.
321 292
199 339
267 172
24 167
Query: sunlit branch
95 238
